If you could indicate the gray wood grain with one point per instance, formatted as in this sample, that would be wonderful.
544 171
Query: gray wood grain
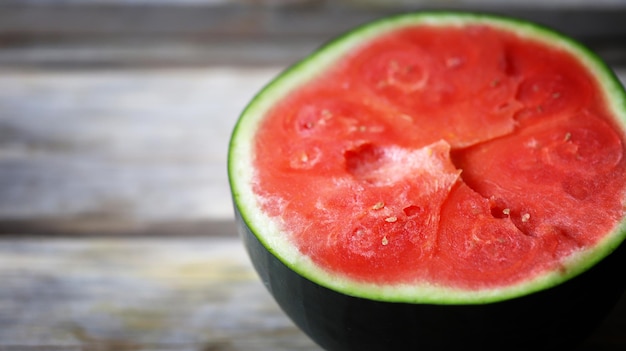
38 33
122 147
137 294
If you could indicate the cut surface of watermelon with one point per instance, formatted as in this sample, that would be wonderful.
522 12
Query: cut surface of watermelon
437 158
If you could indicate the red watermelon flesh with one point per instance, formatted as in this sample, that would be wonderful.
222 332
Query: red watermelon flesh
422 156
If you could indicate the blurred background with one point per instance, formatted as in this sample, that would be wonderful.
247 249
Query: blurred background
116 228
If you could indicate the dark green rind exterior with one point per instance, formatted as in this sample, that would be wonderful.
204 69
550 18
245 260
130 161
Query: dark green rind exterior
555 319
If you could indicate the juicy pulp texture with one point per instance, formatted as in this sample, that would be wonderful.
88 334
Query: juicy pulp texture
457 156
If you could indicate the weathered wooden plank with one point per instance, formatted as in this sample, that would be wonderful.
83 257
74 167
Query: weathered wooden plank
118 33
49 19
137 294
119 148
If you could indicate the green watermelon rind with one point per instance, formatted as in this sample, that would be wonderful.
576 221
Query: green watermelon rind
267 230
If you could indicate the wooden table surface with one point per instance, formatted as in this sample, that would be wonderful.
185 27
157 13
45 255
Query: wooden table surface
116 229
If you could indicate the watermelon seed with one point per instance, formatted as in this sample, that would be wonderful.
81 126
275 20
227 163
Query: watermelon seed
453 62
406 117
376 129
394 66
532 143
391 219
506 211
408 77
359 232
525 217
326 116
568 136
385 241
305 159
299 160
378 205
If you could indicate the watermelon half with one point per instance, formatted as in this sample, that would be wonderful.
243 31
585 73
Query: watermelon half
437 180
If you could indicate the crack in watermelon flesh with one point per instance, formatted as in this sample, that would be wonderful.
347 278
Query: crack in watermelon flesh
466 157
